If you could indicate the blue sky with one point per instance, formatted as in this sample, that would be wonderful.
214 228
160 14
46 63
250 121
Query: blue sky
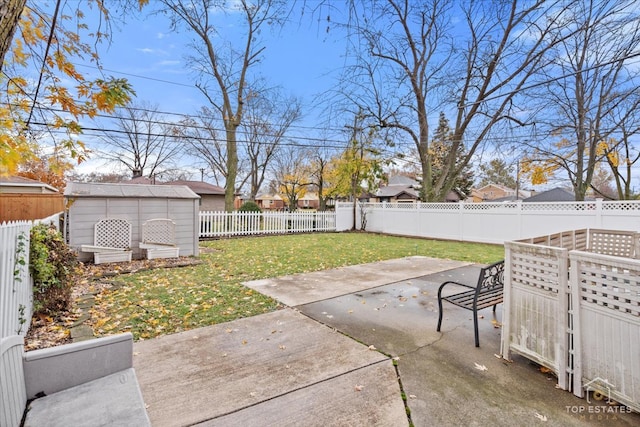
301 59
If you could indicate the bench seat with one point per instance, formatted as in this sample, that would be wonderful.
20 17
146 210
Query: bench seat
487 293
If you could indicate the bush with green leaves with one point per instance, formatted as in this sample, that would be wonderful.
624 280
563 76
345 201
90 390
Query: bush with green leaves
250 207
52 263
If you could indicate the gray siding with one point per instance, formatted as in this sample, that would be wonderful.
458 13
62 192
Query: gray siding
84 212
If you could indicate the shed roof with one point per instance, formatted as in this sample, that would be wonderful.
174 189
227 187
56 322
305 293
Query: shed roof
199 187
94 189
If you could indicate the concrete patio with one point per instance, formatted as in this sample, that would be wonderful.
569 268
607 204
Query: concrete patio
351 343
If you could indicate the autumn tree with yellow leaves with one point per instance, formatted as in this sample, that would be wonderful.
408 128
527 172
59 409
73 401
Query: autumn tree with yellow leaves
38 107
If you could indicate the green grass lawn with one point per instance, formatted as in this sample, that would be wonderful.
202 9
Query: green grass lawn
165 301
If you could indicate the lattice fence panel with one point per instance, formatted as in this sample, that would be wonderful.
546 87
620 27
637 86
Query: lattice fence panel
113 233
159 231
612 242
606 301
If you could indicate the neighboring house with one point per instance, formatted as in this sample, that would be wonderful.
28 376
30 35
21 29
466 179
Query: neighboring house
497 193
211 196
400 189
492 192
28 199
554 195
270 202
18 184
309 201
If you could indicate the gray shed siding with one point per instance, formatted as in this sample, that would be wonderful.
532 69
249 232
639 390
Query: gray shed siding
84 210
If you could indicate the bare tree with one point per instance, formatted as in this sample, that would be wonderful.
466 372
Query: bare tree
592 94
268 116
292 175
143 143
409 52
223 70
202 141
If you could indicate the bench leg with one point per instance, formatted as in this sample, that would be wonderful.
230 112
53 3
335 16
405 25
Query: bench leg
439 308
475 325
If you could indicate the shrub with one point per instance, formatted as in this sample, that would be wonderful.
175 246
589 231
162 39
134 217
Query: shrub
250 207
51 263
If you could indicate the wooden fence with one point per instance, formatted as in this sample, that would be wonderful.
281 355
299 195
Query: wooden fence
224 224
29 206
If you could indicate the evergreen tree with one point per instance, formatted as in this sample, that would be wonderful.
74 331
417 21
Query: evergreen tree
440 150
497 172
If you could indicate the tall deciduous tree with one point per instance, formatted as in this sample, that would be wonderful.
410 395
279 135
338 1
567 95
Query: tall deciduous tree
292 175
143 144
359 167
415 59
268 117
10 11
224 68
203 141
592 92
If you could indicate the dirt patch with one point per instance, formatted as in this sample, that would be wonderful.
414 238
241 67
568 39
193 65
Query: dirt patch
91 279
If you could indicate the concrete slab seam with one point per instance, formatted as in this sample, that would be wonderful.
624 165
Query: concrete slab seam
292 391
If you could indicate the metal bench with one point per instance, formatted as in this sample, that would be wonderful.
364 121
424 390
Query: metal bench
487 292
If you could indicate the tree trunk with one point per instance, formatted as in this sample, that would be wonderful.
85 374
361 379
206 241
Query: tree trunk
10 12
232 169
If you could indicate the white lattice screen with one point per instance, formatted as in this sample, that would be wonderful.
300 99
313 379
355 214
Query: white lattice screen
113 233
159 231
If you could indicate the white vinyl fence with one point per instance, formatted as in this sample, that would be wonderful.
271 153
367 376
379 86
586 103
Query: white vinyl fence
16 296
15 280
572 304
223 224
489 222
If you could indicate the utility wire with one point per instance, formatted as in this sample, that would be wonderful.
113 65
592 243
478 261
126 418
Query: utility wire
44 62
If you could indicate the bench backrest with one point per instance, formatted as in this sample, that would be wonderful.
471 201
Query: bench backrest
160 230
491 278
113 233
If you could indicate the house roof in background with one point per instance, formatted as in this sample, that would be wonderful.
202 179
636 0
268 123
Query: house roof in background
402 180
94 189
395 190
20 181
554 195
199 187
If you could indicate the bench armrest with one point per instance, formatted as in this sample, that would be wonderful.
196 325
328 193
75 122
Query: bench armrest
54 369
451 282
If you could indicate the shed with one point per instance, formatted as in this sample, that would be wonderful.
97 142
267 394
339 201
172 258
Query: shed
88 203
